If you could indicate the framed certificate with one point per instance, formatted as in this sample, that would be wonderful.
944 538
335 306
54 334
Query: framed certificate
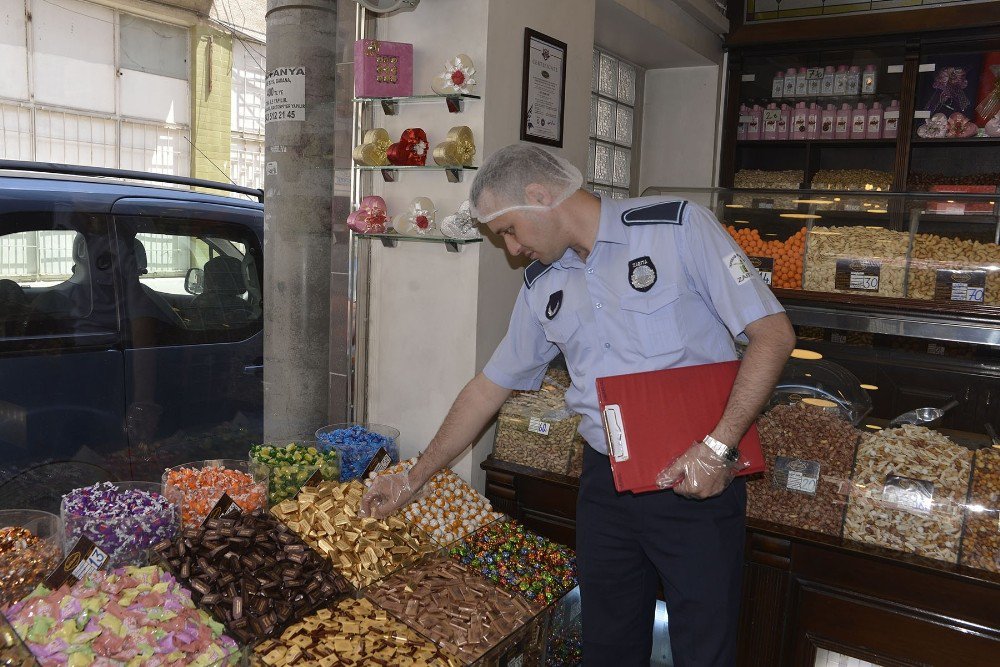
543 92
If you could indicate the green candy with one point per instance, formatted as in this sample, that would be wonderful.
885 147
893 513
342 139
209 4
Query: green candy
289 467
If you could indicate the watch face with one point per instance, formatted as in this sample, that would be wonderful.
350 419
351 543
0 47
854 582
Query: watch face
733 455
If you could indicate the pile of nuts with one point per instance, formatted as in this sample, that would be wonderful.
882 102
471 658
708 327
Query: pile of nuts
761 179
827 245
458 609
536 429
362 549
355 632
925 526
852 179
981 542
804 434
932 253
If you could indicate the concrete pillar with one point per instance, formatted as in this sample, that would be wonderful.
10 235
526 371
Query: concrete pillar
298 200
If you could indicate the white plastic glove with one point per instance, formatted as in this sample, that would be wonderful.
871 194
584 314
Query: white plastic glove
698 473
386 495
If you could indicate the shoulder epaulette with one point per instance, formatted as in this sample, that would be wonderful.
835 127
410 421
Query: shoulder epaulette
534 271
664 213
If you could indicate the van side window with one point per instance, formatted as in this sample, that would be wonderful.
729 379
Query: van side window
56 277
191 282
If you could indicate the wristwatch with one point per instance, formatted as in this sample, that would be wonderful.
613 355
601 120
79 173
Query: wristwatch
722 450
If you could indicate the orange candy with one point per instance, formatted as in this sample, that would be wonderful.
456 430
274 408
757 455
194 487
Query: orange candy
787 254
197 490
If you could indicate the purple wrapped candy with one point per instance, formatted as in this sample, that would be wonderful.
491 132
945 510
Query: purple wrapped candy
124 519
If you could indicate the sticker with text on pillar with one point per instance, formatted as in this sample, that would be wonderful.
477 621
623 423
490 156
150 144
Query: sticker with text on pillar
738 269
271 168
641 274
764 266
286 94
795 475
536 425
906 493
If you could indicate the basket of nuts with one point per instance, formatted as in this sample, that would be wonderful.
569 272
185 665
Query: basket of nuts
536 429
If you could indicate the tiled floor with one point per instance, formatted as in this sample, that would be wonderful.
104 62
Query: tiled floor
825 658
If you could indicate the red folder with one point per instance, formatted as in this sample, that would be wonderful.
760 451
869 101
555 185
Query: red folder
652 418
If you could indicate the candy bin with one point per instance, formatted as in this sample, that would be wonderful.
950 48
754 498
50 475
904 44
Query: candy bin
289 465
198 486
124 519
13 652
775 246
357 445
30 548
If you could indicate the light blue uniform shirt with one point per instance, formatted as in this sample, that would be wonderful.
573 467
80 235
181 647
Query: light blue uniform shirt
665 286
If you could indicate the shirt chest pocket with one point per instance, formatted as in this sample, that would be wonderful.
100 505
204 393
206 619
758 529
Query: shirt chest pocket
561 329
652 320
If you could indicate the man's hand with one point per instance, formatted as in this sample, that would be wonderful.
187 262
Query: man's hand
387 494
698 473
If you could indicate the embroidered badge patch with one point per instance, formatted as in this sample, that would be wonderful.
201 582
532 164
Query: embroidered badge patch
641 274
738 269
555 303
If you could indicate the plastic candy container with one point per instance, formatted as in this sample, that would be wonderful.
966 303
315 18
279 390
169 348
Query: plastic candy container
357 445
131 616
198 486
289 466
30 549
124 519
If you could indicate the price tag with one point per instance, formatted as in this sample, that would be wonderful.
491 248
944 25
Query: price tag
814 73
225 507
927 67
922 114
959 285
536 425
889 115
746 119
860 275
796 475
379 462
894 69
83 559
838 337
761 202
906 493
764 266
748 77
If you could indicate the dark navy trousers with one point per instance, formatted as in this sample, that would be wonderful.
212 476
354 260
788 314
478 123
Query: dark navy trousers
626 544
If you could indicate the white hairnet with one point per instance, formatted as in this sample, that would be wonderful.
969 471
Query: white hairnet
507 172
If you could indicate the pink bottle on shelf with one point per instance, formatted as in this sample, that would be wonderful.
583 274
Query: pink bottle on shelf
812 121
784 122
789 91
741 127
874 128
754 129
771 116
859 120
890 121
827 122
842 128
799 120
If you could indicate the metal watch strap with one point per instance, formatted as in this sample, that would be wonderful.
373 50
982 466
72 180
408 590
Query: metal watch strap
722 450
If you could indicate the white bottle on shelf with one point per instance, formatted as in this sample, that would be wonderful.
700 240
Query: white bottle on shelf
778 85
827 122
890 121
814 81
812 121
840 81
802 83
869 80
842 130
790 79
859 120
874 128
753 129
854 81
829 77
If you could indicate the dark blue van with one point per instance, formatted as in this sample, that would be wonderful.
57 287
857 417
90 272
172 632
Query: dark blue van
131 327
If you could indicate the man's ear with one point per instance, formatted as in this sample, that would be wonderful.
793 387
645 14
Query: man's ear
536 194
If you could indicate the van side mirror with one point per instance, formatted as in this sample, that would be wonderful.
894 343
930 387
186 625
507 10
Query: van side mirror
194 281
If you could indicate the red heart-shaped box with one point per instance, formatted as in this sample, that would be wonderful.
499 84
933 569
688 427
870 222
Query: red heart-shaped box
370 218
410 150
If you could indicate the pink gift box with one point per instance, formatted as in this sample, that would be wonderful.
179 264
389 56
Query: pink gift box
383 69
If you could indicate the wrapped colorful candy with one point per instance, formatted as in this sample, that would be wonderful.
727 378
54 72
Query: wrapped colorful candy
447 508
290 466
197 487
510 555
358 445
30 549
131 616
123 519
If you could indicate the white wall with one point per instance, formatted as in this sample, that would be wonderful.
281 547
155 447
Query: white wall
13 53
680 115
436 317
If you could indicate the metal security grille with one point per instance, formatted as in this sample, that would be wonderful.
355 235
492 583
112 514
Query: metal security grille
246 149
613 101
166 255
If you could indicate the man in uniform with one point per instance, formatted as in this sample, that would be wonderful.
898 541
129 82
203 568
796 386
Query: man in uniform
622 287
